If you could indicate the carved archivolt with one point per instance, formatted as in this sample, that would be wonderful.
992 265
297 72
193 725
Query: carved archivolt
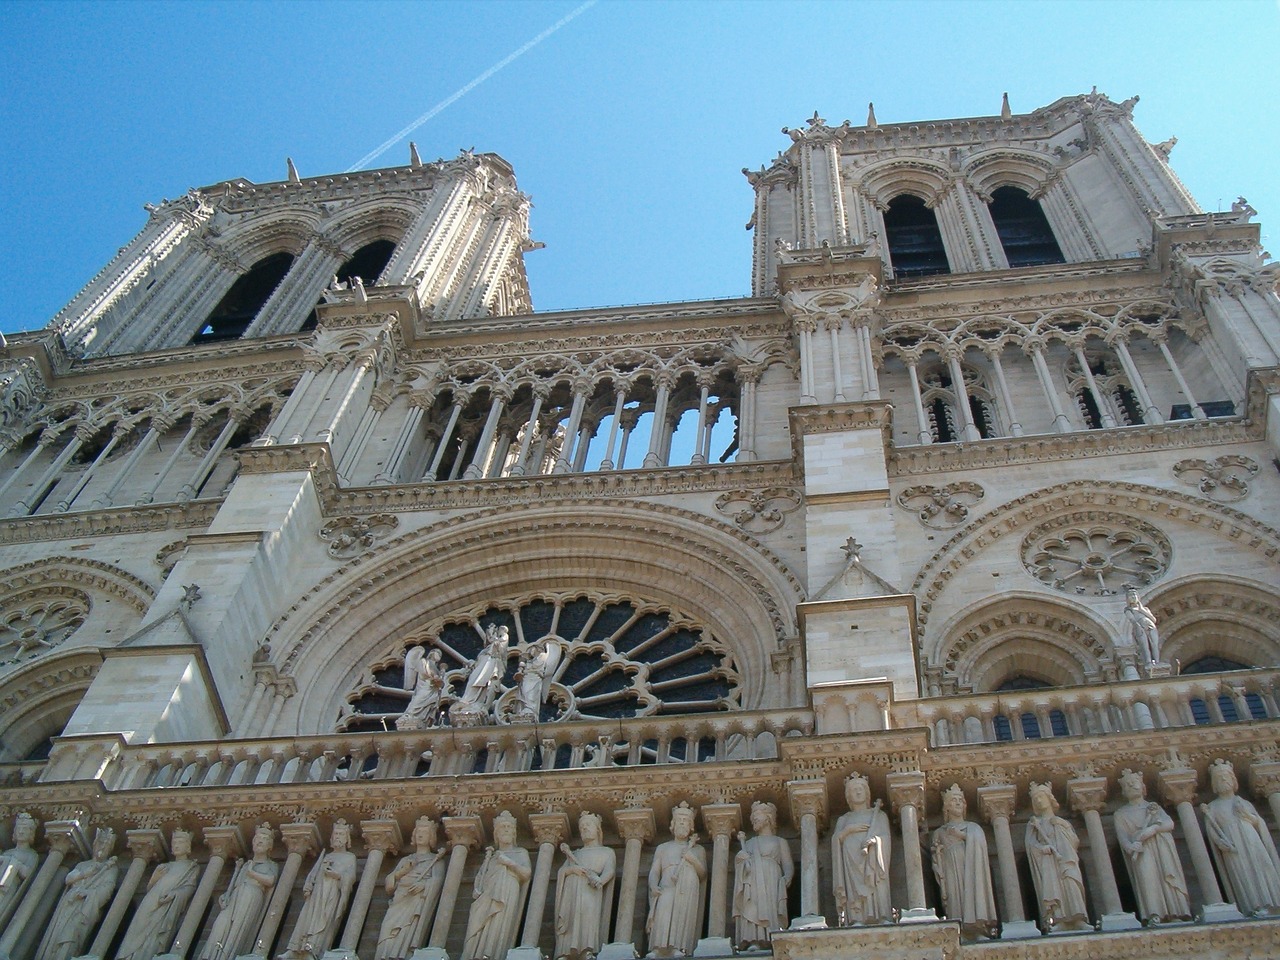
90 575
1232 619
37 700
1095 553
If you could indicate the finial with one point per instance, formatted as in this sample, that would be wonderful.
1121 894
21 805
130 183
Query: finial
415 161
1005 112
871 116
293 171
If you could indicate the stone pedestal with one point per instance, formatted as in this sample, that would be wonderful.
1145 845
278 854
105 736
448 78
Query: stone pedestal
1112 922
1219 913
709 947
611 951
429 953
809 921
522 953
920 915
1017 930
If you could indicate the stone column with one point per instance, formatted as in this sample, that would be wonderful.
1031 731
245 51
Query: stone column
1088 795
806 329
145 845
1196 410
381 837
833 325
540 394
201 473
998 803
1015 428
179 449
43 443
656 427
564 463
924 434
224 843
748 380
705 391
808 806
722 820
64 837
1179 788
107 497
550 830
463 834
1150 412
286 687
1034 348
83 434
408 430
300 839
1265 777
1104 414
620 400
459 402
952 354
477 468
118 432
635 826
906 796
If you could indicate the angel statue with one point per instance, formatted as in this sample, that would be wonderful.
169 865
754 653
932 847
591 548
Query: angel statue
424 678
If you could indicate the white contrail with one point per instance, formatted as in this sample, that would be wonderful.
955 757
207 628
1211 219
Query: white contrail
453 98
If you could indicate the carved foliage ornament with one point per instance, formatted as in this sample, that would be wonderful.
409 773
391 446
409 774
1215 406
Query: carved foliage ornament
941 508
759 511
1095 558
38 621
351 536
1224 479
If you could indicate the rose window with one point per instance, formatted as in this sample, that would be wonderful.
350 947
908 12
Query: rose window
570 657
1095 559
30 628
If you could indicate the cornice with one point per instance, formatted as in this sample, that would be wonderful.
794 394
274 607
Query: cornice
952 283
841 417
213 358
110 522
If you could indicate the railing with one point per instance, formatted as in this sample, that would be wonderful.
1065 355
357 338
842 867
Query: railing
1096 709
447 751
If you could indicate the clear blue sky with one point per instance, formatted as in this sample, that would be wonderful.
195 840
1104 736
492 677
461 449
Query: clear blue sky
628 126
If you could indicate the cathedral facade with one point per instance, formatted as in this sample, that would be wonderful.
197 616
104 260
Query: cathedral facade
923 603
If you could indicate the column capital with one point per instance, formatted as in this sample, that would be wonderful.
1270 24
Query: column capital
301 838
467 831
906 789
1087 793
808 797
1265 777
382 835
998 800
722 819
635 824
550 828
147 844
1177 786
66 836
224 841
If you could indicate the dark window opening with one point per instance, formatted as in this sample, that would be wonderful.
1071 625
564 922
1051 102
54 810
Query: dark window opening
1212 664
915 242
1127 403
368 262
981 417
1023 229
236 310
1211 408
944 430
1089 410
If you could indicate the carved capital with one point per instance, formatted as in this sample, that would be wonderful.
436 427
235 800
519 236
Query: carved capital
225 841
998 800
1177 786
906 789
550 828
808 797
1087 793
147 844
635 824
66 836
464 831
1265 778
722 819
300 838
382 835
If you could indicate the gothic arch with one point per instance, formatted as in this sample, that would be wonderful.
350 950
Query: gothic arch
1022 634
372 219
991 169
1212 616
711 572
37 700
285 231
926 179
91 575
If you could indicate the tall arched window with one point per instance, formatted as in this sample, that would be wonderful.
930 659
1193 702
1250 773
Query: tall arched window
915 242
237 308
1024 231
1119 404
941 404
367 263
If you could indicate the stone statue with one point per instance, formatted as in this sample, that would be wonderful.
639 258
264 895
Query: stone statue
168 892
1142 625
17 865
414 887
538 665
860 848
1053 854
963 869
425 678
1145 835
245 902
325 894
1242 846
500 887
762 872
584 893
86 892
677 889
484 681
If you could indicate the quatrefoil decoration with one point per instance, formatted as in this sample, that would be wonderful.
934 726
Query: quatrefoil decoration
1224 479
941 508
759 511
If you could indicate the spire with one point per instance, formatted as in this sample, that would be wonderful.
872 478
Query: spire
1005 112
871 116
415 161
293 171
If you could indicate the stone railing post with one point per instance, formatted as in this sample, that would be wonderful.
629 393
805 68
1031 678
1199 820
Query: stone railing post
64 837
1178 787
381 837
722 820
145 845
550 830
808 806
300 839
463 834
635 826
906 796
998 803
224 843
1088 796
